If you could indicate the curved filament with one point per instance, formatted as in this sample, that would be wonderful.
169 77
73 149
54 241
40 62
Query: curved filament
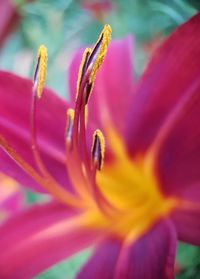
57 191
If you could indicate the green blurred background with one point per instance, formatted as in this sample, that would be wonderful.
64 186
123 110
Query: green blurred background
65 25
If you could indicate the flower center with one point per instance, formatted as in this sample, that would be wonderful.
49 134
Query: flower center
131 187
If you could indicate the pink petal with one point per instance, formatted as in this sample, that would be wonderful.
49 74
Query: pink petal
8 18
173 69
151 257
15 97
40 237
11 197
97 6
102 263
187 224
179 152
113 85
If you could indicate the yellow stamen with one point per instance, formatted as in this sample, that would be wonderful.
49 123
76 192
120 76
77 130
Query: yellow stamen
104 38
41 70
85 56
98 149
91 62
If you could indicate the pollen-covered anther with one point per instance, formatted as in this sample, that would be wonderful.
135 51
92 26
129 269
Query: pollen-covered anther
69 127
82 68
99 51
98 150
91 62
40 71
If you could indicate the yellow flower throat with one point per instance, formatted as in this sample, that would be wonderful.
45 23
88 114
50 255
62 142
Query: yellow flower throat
132 188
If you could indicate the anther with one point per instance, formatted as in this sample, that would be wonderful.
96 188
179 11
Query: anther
96 59
40 71
98 150
69 127
91 62
82 68
99 51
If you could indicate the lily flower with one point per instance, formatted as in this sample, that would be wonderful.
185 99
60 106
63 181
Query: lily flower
121 160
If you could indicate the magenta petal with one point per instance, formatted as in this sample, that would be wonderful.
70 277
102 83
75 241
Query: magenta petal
11 197
102 263
15 97
187 224
172 71
113 87
151 257
179 154
40 237
8 19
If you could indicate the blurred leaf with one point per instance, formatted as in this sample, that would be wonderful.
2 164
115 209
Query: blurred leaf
187 254
32 197
188 260
194 3
167 10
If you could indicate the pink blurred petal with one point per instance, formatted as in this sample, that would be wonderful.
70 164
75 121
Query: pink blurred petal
98 8
15 94
11 197
9 18
113 87
102 262
151 257
173 69
97 5
179 152
40 237
187 223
